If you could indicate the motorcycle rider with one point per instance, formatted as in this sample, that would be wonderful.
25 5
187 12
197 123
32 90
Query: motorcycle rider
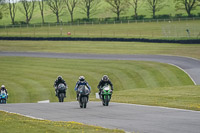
104 80
3 89
58 81
81 81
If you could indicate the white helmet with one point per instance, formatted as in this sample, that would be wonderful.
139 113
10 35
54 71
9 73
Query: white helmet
3 86
81 78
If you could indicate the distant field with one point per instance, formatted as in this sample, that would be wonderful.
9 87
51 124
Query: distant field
187 29
31 79
13 123
189 50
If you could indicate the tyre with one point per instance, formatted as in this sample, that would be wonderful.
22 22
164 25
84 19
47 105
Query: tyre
61 97
84 102
106 100
3 101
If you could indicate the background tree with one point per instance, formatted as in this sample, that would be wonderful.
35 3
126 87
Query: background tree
56 7
155 6
187 5
89 7
136 4
3 8
118 6
27 9
41 5
12 9
71 4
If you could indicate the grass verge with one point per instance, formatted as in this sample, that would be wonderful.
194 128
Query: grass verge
184 97
12 123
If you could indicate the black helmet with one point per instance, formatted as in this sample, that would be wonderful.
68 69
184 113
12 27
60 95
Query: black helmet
59 77
81 78
105 78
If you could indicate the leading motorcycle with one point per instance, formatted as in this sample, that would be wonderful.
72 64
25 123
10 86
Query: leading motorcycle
83 96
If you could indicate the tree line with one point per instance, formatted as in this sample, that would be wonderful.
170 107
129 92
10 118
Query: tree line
90 7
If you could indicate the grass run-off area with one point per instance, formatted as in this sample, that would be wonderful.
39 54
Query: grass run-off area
189 50
12 123
161 29
31 80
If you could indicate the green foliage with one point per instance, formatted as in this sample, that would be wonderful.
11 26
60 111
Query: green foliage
1 15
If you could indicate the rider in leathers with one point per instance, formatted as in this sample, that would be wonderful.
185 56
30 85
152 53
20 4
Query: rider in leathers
57 82
3 89
81 81
105 80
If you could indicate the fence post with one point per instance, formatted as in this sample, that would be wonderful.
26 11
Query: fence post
34 30
61 29
48 29
20 32
6 30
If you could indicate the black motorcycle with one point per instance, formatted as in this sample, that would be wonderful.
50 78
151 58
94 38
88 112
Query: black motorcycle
83 97
61 90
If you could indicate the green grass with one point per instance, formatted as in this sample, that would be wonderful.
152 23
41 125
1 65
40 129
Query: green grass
189 50
13 123
28 79
185 97
161 30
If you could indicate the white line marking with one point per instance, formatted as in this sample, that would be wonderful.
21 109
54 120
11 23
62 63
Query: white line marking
185 72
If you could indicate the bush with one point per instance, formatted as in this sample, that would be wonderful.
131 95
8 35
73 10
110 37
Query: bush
140 16
1 15
164 16
178 15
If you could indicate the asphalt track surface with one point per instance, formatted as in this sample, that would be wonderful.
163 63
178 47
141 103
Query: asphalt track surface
129 117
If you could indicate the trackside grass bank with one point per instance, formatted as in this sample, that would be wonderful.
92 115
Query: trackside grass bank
12 123
189 50
184 97
31 80
151 30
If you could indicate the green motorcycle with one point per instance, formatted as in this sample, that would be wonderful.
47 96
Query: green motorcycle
105 95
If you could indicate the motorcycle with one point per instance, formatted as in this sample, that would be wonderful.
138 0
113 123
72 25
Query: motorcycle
3 97
105 95
61 90
83 97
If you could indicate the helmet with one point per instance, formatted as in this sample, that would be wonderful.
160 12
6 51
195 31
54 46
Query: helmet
59 77
105 78
3 86
81 78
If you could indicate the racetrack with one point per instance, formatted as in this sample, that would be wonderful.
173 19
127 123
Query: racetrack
129 117
132 118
